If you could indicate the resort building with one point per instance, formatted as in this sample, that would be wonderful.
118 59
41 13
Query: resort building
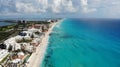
26 34
22 25
11 44
20 47
21 55
37 26
27 47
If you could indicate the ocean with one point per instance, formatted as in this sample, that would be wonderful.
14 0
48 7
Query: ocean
84 43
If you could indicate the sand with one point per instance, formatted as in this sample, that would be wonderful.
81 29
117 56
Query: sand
37 57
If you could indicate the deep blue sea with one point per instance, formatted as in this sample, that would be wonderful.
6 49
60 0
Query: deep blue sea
84 43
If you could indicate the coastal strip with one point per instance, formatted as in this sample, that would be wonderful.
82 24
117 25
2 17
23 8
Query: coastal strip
36 58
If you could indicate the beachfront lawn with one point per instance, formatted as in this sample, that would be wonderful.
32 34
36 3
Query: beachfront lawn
24 41
4 59
26 58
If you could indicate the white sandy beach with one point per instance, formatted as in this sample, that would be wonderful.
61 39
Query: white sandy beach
36 58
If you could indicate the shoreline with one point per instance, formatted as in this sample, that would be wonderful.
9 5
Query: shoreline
36 58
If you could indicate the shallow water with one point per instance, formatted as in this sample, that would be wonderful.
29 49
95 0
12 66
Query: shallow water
84 43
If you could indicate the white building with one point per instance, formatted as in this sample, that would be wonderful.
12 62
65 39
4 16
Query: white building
27 34
12 42
16 60
33 30
28 47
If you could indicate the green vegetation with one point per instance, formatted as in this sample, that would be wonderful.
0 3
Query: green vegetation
5 28
26 58
24 40
4 35
6 31
39 22
4 59
37 33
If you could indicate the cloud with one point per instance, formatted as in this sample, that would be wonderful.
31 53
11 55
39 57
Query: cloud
60 6
56 6
43 5
37 6
85 7
25 8
68 5
104 8
84 2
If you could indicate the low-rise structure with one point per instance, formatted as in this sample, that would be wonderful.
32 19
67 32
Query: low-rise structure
11 44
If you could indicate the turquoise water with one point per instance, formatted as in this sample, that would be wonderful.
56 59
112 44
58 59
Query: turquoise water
84 43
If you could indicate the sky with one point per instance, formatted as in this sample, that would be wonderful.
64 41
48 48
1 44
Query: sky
60 8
